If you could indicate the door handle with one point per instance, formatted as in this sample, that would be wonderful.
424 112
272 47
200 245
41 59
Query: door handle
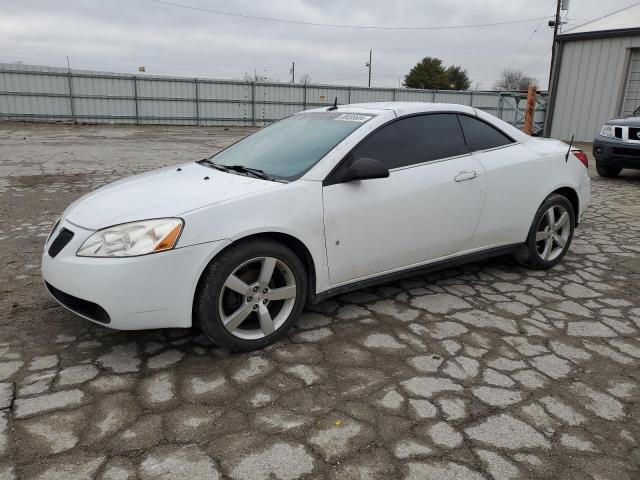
462 176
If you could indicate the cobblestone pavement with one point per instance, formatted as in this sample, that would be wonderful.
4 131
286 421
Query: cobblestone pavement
485 371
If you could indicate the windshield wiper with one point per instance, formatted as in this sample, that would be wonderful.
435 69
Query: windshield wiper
636 111
236 168
253 171
211 164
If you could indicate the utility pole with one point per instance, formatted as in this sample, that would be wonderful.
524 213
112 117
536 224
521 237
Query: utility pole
293 72
368 64
556 25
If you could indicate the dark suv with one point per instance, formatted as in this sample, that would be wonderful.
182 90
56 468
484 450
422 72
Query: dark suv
617 146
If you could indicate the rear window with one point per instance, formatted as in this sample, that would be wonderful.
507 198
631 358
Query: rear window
480 135
288 148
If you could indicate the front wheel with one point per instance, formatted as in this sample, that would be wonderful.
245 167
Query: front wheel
250 295
605 171
550 234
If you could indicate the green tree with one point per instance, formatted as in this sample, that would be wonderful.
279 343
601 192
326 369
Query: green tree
427 73
458 78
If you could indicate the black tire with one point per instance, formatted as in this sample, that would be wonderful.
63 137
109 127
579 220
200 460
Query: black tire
206 309
607 172
529 254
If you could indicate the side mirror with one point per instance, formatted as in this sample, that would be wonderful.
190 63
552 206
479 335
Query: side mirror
363 169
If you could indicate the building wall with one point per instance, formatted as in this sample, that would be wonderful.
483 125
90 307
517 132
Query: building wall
591 84
632 92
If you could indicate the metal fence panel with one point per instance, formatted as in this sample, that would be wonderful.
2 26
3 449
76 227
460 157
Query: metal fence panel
365 95
166 110
219 113
407 95
485 101
318 95
208 89
279 93
94 108
108 87
28 106
41 93
165 89
269 112
22 82
462 98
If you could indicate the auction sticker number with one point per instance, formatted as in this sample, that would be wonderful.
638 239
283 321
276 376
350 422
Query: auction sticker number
353 117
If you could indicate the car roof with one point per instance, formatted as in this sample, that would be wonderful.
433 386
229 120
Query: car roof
400 108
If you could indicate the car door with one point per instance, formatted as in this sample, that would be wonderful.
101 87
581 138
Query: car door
427 208
512 178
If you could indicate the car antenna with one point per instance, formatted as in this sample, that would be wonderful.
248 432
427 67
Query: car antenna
566 157
334 106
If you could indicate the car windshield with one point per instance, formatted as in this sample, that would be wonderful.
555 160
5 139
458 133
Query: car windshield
287 149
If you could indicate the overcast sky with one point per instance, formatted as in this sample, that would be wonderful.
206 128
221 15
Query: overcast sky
120 35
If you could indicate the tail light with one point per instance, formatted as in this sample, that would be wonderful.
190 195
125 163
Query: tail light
580 155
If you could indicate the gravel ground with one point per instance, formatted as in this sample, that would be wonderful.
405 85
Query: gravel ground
485 371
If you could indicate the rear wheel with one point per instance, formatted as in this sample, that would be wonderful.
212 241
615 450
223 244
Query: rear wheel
605 171
550 234
251 295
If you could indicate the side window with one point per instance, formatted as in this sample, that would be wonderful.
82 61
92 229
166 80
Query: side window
481 135
414 140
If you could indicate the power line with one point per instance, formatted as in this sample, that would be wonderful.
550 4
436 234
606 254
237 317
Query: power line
538 61
531 36
333 25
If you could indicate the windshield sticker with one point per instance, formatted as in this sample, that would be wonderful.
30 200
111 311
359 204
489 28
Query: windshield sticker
353 117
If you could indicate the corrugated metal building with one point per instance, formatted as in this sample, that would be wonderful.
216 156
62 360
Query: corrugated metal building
596 75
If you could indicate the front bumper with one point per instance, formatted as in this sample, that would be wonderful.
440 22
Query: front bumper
133 293
616 153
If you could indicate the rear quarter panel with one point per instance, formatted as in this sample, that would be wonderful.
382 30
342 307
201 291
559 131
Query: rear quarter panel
519 178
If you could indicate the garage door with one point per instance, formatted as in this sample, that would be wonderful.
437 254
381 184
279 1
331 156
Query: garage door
632 92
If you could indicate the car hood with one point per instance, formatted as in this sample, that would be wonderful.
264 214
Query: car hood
168 192
627 122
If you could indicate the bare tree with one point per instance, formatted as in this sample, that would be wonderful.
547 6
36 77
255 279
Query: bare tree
511 79
305 78
258 77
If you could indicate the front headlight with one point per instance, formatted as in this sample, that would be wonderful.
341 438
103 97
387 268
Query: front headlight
607 131
133 239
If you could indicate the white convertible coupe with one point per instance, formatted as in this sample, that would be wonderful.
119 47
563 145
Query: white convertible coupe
322 202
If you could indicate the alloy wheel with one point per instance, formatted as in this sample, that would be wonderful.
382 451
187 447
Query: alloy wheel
553 232
257 298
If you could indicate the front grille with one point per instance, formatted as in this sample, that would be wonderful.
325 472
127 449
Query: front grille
617 132
627 152
634 133
61 241
82 307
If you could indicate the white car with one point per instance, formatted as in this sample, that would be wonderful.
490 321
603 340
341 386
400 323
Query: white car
320 203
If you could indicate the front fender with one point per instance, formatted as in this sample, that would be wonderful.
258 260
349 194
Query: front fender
294 209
